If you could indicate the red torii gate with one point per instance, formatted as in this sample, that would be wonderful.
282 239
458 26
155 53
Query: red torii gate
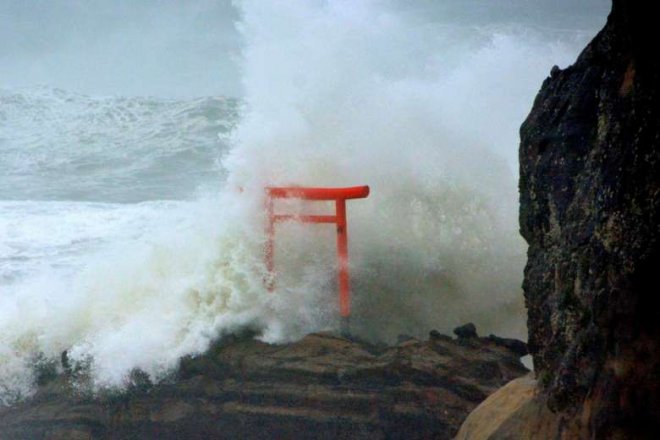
339 195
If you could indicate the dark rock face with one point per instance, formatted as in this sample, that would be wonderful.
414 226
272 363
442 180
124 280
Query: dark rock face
466 331
590 211
320 387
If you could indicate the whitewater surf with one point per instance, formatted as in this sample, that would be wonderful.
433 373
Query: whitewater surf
125 241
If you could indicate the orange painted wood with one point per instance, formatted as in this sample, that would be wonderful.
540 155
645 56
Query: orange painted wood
339 195
307 193
306 218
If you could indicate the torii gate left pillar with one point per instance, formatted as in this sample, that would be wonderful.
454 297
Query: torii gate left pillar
339 195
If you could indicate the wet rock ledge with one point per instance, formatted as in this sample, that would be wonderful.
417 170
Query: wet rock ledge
323 386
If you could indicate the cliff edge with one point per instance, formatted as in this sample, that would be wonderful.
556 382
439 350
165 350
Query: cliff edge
590 212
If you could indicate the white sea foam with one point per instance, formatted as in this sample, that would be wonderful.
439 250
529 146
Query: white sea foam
337 93
59 145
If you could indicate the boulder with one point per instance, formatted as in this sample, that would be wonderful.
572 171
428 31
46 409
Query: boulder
590 212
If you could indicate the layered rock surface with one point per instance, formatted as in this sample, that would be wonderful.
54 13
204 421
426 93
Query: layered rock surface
322 386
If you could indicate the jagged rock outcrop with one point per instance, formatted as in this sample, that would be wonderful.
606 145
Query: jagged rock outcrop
590 211
322 386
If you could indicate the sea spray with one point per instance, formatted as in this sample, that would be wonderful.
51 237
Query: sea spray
337 93
349 93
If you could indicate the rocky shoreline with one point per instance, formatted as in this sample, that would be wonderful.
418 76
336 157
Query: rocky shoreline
323 386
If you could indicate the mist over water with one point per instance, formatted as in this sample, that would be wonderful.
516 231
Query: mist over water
124 237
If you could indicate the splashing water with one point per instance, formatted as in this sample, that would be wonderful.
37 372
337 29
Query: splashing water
137 259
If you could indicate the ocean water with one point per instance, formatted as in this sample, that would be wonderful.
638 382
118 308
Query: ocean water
86 181
131 228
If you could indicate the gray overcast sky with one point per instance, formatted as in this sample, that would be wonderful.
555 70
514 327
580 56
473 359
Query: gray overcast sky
133 47
180 48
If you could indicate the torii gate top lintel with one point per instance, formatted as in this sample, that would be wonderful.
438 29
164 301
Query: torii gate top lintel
313 193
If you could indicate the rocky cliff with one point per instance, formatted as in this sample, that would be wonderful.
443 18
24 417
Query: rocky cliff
590 211
323 386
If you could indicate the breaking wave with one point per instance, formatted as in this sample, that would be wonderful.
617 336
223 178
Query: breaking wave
131 234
